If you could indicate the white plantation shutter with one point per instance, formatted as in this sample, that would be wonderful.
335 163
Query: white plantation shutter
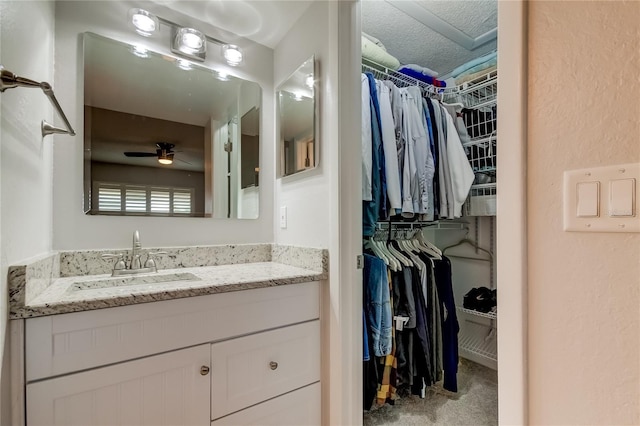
110 198
136 200
128 199
160 201
181 202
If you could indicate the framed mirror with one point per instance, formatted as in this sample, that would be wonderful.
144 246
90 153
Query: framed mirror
166 137
298 147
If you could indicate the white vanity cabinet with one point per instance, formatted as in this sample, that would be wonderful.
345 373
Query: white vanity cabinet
241 357
165 389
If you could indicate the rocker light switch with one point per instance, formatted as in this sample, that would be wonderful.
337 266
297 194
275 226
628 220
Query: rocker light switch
621 194
588 194
602 199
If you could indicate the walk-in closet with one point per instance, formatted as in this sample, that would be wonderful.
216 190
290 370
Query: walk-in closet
429 141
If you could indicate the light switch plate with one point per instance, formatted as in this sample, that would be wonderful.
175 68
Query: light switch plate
616 191
283 217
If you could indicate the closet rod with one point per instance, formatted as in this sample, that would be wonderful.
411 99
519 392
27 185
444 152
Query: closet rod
9 80
418 225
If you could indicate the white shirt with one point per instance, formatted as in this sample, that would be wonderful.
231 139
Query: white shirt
461 172
367 143
425 167
392 172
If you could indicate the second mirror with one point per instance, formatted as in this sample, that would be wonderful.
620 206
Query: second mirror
297 121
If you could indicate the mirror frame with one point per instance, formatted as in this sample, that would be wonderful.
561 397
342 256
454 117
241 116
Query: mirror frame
316 122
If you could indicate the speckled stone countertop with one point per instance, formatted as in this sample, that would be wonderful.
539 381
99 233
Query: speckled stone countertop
74 294
43 288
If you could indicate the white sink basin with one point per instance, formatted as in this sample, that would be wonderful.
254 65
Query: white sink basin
133 280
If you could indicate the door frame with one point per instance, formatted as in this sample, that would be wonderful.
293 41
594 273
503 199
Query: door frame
345 384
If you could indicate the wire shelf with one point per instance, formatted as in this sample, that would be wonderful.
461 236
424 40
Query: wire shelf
478 93
401 80
481 153
478 340
481 200
490 315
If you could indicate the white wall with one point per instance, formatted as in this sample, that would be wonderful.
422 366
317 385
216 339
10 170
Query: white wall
72 229
584 300
26 34
307 195
320 207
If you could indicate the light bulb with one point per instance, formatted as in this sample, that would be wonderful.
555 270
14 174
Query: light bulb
232 54
190 41
144 22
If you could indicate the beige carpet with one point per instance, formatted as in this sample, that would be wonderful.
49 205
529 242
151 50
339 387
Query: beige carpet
475 404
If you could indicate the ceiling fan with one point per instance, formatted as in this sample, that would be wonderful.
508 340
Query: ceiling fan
164 152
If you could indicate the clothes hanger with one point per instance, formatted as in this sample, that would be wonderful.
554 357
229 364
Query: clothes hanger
405 260
429 245
369 244
473 244
394 263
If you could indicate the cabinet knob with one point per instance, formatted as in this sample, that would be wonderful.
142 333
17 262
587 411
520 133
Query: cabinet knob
273 365
204 370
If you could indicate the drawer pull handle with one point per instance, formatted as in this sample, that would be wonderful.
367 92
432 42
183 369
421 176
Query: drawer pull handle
273 365
204 370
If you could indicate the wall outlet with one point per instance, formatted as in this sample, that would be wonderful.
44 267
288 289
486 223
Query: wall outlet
283 217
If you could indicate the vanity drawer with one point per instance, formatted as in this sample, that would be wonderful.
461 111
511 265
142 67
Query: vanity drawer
252 369
61 344
297 408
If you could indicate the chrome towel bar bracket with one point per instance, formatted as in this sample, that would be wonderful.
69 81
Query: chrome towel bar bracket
9 80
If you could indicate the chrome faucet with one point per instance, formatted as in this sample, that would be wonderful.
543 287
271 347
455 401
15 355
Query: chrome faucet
135 264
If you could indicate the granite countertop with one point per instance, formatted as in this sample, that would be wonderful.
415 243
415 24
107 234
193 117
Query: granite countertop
83 293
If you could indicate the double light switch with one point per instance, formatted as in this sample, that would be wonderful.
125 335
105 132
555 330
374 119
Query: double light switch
602 199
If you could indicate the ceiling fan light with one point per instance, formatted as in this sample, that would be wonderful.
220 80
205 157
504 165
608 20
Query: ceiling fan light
166 160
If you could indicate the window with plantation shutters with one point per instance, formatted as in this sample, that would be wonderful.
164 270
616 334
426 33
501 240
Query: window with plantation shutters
144 200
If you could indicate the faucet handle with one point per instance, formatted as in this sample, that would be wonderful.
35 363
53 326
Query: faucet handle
119 262
150 262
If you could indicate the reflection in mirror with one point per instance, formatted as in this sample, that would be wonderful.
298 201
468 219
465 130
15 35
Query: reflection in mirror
298 148
166 137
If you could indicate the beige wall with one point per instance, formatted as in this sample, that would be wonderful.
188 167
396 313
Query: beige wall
584 302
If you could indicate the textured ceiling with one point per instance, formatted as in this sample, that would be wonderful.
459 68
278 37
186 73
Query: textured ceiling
397 24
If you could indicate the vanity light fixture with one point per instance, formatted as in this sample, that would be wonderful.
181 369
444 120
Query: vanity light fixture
187 42
144 22
232 54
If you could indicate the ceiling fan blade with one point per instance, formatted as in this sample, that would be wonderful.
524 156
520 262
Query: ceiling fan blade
140 154
179 159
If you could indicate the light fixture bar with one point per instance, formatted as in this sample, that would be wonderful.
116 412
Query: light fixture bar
200 56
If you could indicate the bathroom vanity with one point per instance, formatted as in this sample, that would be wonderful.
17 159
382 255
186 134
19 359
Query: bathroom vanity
220 344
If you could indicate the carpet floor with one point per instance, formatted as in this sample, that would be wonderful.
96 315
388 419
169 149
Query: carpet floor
475 404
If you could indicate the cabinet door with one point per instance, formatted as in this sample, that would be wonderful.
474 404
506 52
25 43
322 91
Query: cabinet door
166 389
298 408
252 369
